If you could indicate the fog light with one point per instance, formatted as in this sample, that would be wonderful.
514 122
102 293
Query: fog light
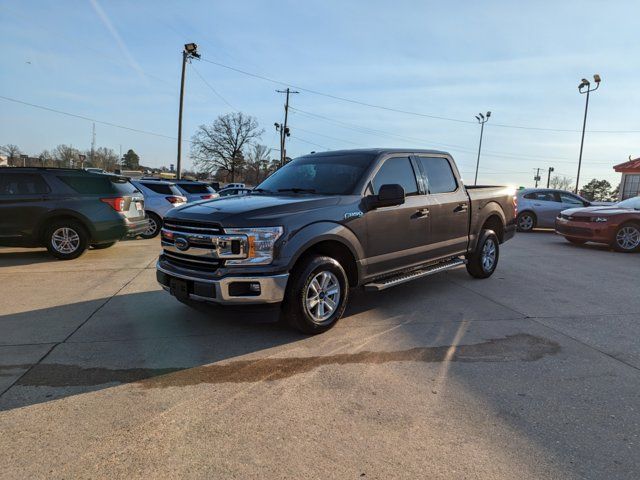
254 287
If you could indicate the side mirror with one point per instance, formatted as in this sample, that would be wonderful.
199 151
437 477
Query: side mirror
388 196
586 203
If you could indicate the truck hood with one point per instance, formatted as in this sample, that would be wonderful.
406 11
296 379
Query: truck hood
249 210
590 211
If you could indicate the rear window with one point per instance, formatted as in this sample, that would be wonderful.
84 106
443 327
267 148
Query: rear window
196 188
22 184
162 188
100 185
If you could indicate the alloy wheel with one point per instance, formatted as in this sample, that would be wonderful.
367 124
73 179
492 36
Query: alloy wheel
322 296
65 240
488 255
152 227
525 222
628 238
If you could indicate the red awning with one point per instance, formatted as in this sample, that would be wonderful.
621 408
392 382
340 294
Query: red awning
632 166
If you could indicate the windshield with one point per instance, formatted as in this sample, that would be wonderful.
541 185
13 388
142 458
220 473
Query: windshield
630 203
324 175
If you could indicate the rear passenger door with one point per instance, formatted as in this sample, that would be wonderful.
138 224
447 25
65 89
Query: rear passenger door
449 207
546 205
23 200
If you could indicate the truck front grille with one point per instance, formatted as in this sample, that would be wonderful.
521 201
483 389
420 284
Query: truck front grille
198 255
192 227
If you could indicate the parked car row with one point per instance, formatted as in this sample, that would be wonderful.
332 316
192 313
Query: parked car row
580 220
70 210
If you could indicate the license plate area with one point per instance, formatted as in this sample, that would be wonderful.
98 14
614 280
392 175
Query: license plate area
179 288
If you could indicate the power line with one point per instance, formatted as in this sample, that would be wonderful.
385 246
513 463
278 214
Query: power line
89 119
397 110
193 67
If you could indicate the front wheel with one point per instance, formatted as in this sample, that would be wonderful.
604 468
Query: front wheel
316 296
526 222
484 260
627 238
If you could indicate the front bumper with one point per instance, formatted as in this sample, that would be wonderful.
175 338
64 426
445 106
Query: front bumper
226 290
587 231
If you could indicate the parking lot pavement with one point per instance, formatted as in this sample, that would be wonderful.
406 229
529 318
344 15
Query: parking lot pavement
533 373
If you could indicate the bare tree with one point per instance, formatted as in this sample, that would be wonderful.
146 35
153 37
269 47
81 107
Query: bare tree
105 158
66 155
259 164
219 147
561 183
12 151
46 158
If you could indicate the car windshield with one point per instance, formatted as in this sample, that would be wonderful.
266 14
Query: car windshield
630 203
196 188
321 174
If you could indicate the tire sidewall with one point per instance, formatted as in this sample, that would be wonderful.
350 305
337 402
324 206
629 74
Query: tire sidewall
533 224
158 221
78 228
474 266
615 239
296 312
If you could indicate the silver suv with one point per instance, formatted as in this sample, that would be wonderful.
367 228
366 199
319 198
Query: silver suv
159 197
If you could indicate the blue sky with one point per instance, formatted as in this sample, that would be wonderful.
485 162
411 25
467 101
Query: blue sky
119 62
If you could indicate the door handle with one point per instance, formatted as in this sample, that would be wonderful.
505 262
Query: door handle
422 212
461 208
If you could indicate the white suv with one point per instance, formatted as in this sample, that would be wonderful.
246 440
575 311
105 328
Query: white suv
159 197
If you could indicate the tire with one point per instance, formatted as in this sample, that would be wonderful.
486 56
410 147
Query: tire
311 274
526 221
577 241
66 239
627 238
101 246
155 224
484 260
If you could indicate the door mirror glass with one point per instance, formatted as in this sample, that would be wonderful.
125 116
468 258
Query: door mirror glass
389 195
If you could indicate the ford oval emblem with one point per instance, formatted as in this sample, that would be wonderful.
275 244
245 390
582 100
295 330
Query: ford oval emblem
181 244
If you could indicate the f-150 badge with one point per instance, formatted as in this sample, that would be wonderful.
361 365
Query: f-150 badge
349 215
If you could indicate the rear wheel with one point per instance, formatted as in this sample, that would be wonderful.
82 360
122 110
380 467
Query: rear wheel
316 296
577 241
155 224
66 239
526 222
627 238
483 262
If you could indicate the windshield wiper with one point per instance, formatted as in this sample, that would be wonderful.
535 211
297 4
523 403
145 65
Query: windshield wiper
261 190
298 190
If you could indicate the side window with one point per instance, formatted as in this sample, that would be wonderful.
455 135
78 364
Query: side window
541 196
570 199
23 184
396 170
440 178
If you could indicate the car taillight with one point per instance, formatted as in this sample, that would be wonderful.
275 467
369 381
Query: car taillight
176 199
208 196
116 203
515 205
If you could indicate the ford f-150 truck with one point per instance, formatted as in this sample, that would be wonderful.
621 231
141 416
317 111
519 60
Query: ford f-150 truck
327 222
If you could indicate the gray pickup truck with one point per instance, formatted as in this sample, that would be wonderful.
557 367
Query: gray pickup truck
327 222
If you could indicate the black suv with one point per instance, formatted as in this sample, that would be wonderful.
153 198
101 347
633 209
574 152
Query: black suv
67 210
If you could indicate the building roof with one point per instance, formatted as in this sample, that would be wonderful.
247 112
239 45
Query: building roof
632 166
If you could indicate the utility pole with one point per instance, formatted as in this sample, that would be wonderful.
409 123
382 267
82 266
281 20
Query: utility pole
481 120
190 51
585 83
551 169
93 143
537 177
284 129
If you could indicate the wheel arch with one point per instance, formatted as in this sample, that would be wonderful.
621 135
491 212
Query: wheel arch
60 215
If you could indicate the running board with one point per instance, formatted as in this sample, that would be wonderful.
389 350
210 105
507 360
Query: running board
389 282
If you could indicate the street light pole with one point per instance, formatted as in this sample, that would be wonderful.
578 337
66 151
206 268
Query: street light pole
481 120
190 51
284 129
585 83
551 169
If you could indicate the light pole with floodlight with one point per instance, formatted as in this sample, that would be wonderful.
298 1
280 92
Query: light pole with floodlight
581 88
190 51
481 120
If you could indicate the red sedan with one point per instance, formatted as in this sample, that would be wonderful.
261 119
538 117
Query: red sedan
617 225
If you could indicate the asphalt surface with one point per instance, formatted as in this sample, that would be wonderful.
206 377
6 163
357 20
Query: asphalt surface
533 373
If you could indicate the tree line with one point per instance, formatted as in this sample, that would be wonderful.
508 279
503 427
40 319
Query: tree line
67 156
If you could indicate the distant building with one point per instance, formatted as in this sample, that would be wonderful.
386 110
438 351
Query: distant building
3 161
630 181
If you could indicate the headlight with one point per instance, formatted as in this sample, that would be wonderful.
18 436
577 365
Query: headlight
599 219
261 241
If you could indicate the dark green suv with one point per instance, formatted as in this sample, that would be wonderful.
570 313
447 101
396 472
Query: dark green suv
67 210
